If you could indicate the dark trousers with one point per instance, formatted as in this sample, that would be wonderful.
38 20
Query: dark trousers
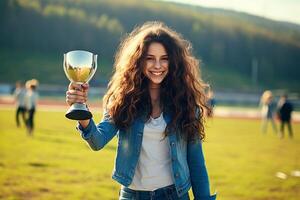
30 124
165 193
288 124
20 111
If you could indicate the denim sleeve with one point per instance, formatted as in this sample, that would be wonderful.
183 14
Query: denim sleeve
97 136
198 172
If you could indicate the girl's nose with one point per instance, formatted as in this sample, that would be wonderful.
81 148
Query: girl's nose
157 64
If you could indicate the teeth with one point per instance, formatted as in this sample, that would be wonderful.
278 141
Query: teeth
156 73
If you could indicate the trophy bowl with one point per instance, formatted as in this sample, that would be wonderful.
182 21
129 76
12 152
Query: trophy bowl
79 67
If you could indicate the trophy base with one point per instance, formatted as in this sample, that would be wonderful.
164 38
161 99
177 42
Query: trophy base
78 111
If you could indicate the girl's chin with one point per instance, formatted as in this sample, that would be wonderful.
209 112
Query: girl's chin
156 81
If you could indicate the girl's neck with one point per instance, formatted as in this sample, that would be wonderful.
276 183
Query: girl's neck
154 91
155 101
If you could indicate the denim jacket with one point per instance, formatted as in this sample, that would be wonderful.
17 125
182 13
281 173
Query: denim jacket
188 165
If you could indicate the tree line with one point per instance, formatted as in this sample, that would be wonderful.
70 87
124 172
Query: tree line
222 40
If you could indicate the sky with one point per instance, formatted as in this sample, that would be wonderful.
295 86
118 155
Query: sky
282 10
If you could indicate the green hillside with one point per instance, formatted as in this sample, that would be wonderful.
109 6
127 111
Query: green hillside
37 32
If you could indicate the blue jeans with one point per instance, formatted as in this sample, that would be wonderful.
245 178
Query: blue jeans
165 193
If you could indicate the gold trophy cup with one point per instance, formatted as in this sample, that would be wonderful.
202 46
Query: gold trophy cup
79 66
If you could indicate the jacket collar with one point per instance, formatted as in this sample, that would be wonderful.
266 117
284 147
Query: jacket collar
166 115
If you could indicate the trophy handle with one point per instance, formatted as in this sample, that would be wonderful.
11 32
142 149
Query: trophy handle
95 56
64 64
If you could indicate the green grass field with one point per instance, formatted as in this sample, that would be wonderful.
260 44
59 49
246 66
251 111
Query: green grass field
57 164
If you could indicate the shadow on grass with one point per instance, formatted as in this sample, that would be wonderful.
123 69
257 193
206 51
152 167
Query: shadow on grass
38 165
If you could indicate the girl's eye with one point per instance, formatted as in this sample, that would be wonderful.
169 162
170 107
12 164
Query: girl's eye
149 58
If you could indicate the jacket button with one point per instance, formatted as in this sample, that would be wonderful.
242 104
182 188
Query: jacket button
172 143
176 175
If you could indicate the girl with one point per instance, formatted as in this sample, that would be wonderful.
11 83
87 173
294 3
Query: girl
155 104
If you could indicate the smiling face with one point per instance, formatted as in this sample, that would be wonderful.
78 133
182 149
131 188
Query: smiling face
156 65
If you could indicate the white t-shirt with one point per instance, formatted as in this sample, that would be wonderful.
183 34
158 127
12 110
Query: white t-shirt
20 95
153 169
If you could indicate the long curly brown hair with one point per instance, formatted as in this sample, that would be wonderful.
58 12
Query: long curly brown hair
182 92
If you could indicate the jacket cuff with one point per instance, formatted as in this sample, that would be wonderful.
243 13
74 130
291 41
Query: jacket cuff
86 132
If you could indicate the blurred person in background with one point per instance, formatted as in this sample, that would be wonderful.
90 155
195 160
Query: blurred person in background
31 102
268 111
285 109
155 104
19 96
